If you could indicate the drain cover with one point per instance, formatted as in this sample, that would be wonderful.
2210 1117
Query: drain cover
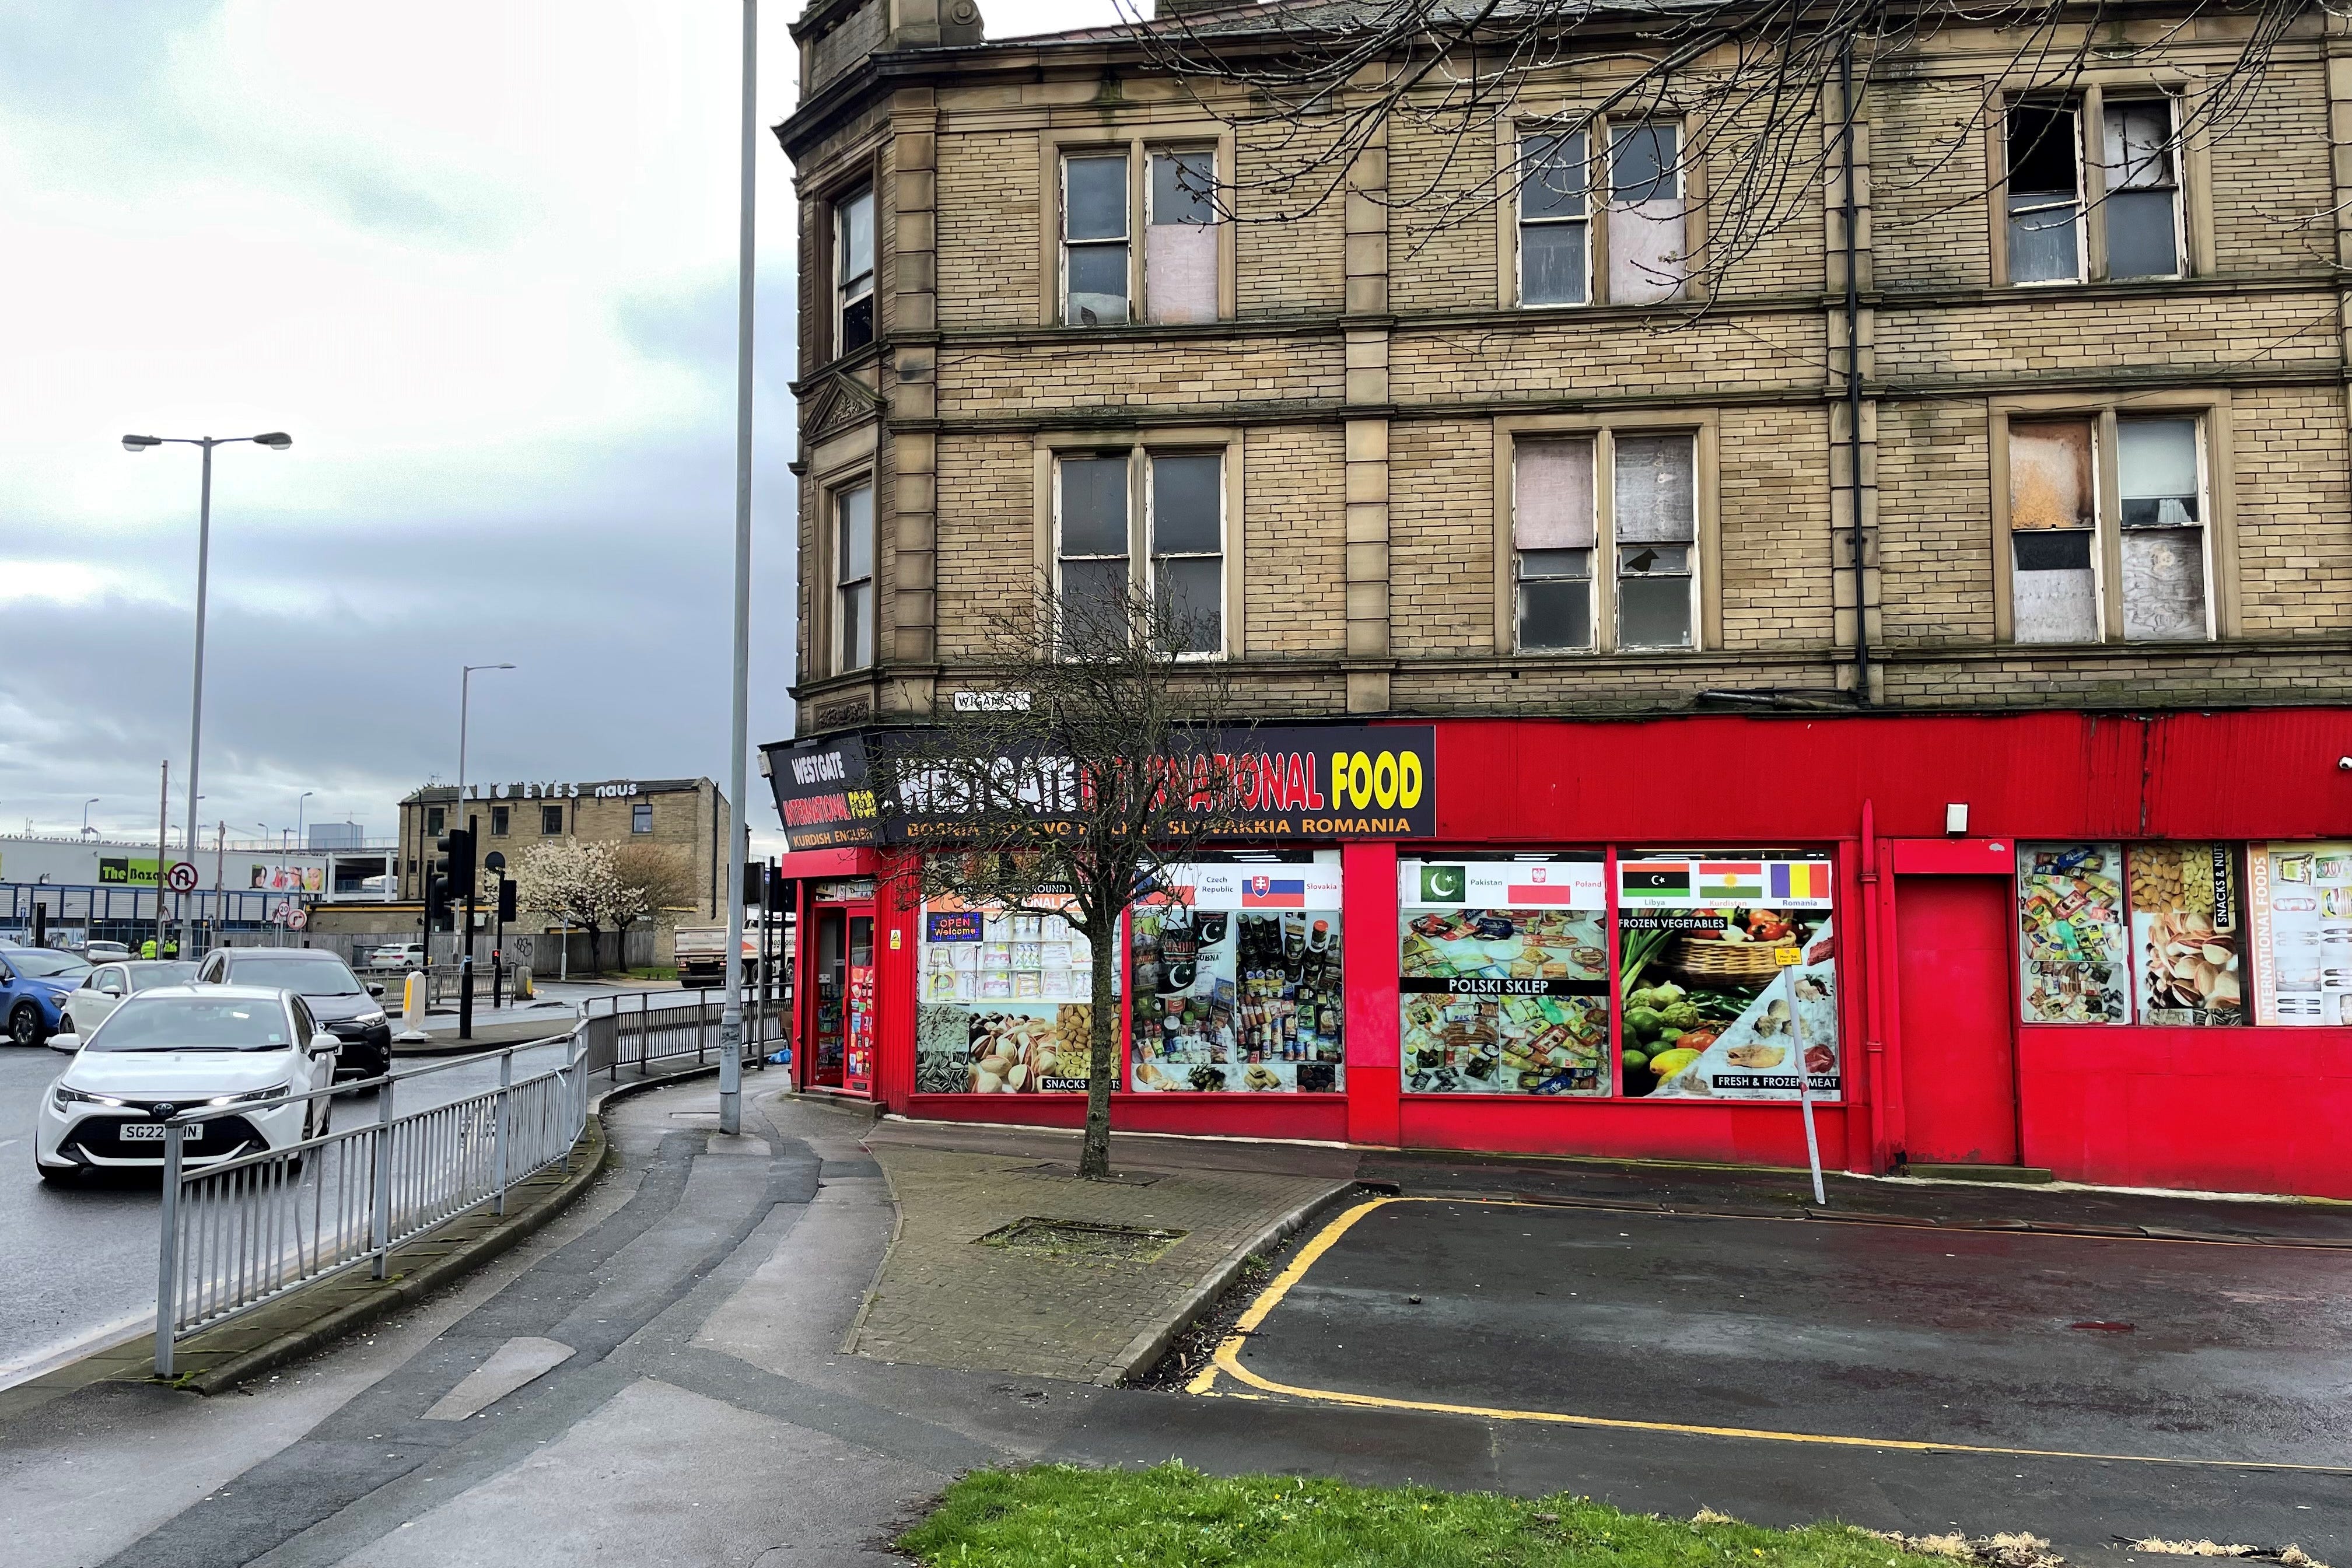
1082 1241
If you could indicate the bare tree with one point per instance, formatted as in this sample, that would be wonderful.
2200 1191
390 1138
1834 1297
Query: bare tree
658 876
1102 755
1770 90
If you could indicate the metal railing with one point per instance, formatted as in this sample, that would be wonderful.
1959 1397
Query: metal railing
649 1025
239 1233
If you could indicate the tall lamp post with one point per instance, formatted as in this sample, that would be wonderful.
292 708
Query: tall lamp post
277 441
731 1015
93 800
465 963
299 800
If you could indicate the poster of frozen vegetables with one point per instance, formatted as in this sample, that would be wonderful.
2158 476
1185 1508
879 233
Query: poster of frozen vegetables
2072 942
2187 926
1727 971
1004 1005
2299 904
1504 971
1237 980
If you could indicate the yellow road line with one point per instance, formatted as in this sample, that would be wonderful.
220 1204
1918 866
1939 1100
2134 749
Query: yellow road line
1228 1361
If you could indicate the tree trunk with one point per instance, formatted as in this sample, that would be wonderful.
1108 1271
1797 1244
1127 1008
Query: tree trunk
1094 1160
595 953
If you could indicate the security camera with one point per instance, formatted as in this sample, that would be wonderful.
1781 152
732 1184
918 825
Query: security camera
2345 764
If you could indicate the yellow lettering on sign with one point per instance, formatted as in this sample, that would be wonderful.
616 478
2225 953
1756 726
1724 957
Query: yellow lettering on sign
1788 957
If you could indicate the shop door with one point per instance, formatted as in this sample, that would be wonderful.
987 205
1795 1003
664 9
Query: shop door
1960 1071
828 1002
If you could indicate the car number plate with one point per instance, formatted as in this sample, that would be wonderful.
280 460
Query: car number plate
153 1132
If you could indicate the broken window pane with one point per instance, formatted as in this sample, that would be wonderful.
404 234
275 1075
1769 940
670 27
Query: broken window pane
1646 261
1179 248
2156 463
1653 597
2044 195
2054 593
1552 486
2164 583
2050 475
1655 499
2143 239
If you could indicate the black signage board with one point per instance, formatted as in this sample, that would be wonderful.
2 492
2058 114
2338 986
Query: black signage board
1299 782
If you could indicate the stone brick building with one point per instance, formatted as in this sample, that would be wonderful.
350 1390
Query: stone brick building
1501 477
688 816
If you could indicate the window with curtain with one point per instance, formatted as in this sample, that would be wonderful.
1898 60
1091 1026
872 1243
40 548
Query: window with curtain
1179 241
2065 538
2160 479
2143 199
1552 540
1654 528
1646 528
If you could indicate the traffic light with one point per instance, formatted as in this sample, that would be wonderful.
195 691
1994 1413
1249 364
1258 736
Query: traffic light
755 880
505 899
437 900
454 851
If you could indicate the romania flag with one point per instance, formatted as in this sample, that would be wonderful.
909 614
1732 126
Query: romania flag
1800 879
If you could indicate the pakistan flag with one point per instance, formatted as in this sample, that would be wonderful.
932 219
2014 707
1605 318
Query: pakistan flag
1444 884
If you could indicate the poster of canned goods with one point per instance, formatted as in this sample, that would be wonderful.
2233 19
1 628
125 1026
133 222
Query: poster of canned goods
2299 903
2073 950
1238 980
1005 1001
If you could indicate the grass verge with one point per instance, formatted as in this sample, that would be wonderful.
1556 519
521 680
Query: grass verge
1054 1516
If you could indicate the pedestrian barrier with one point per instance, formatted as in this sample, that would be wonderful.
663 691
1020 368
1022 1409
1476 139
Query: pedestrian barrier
235 1234
649 1025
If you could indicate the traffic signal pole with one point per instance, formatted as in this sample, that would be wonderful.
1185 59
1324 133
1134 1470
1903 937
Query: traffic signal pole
466 965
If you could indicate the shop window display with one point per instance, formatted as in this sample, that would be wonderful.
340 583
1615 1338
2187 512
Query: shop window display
2187 924
2073 945
1006 1003
1504 972
1727 975
2299 905
1237 980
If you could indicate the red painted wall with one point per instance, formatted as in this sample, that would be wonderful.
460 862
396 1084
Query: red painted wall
2241 1110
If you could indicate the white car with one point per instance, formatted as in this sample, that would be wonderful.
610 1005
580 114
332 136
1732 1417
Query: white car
411 956
103 990
103 952
192 1048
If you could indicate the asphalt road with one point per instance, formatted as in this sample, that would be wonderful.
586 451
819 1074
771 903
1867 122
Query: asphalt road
2086 1345
78 1262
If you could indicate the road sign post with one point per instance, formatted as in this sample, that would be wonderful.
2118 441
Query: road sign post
1789 958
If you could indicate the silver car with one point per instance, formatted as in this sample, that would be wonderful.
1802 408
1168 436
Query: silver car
103 989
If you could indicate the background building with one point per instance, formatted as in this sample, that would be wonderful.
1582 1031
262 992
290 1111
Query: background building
1887 594
688 817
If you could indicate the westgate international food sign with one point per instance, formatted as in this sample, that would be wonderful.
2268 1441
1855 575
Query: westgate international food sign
1336 783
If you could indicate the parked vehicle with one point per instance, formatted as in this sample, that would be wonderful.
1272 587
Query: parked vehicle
189 1046
701 954
34 981
103 952
342 1006
404 955
103 989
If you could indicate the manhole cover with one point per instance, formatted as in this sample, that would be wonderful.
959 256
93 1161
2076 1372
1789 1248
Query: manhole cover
1078 1241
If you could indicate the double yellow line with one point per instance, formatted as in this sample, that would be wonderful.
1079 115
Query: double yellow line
1227 1362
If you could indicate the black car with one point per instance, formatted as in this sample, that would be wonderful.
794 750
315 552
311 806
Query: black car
342 1006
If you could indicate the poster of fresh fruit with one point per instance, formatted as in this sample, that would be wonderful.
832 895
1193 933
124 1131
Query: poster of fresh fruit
1727 977
1504 971
2072 948
2186 925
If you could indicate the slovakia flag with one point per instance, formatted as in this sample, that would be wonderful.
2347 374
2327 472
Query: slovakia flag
1273 893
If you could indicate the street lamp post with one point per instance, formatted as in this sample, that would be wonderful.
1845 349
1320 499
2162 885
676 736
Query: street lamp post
299 800
731 1015
93 800
277 441
465 963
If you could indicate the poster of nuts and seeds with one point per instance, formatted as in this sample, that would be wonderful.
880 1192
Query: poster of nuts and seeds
1006 1003
2188 923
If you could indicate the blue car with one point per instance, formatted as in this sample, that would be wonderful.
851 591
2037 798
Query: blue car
33 981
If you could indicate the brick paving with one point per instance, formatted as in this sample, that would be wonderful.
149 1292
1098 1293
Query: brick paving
943 1301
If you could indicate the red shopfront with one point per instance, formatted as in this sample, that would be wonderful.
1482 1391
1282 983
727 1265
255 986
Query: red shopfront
2131 964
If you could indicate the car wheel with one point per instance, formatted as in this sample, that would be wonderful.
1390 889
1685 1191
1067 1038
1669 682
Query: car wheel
25 1025
57 1175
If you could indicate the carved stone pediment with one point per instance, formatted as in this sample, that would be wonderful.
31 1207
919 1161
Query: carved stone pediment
834 405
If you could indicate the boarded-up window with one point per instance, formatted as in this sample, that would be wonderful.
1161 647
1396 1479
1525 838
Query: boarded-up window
1180 242
1646 250
2161 492
1554 220
2045 194
1094 240
1654 527
2053 524
2143 201
1553 536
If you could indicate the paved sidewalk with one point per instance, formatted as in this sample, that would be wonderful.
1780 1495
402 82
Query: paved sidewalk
1068 1307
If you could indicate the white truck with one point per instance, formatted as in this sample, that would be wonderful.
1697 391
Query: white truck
700 953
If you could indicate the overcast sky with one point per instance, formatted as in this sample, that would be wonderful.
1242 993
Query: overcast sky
479 257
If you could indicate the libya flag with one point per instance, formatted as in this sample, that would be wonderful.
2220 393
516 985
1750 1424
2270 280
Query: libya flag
1654 879
1444 884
